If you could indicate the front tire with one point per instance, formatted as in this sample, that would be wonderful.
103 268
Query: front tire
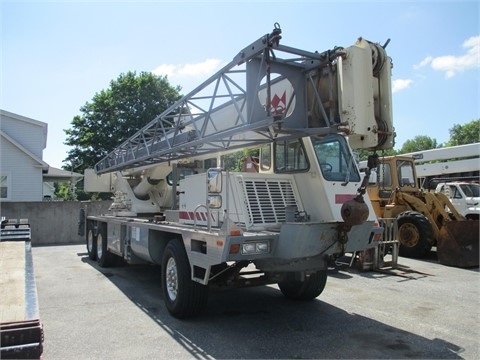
307 289
183 296
415 234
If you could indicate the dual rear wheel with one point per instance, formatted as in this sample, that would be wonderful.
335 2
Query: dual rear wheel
91 242
97 245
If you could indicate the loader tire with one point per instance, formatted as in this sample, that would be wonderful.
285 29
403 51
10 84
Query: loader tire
415 234
308 289
91 242
183 297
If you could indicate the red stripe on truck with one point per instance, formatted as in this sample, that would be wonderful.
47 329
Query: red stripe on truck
343 198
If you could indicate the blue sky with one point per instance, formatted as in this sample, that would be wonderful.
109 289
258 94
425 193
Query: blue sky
55 55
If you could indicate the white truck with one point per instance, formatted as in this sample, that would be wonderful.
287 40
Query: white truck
175 206
465 196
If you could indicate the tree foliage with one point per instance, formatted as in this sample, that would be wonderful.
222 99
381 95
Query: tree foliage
468 133
234 161
115 114
363 154
418 143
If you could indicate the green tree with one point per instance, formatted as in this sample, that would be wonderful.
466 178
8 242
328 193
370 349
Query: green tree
419 143
234 161
363 154
468 133
115 114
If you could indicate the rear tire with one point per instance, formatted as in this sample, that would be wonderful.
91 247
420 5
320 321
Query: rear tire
183 297
91 242
415 234
308 289
104 258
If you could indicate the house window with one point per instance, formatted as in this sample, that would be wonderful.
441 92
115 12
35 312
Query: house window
5 186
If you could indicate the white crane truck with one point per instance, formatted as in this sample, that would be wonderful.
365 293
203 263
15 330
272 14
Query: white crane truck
207 228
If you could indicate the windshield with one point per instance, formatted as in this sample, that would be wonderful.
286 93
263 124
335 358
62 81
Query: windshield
380 176
335 159
405 173
471 190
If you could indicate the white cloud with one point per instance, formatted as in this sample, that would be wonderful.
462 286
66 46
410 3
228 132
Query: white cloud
451 64
207 67
401 84
424 62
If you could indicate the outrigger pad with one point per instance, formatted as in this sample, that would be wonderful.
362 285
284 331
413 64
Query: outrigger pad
458 244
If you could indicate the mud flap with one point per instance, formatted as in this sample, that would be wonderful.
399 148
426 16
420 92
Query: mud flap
458 243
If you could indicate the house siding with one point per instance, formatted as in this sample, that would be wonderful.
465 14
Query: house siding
21 150
26 178
29 133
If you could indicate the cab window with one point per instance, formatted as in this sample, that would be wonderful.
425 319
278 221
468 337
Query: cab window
405 173
335 159
290 156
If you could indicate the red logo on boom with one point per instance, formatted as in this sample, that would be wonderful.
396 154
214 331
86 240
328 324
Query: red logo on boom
279 104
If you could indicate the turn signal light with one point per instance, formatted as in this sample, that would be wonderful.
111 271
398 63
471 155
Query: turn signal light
234 248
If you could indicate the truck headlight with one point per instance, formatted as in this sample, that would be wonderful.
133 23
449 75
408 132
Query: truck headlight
262 247
259 247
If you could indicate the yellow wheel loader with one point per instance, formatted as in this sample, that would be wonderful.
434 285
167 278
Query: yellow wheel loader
424 219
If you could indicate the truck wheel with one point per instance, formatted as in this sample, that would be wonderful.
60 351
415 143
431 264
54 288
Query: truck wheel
415 234
104 258
183 297
91 242
308 289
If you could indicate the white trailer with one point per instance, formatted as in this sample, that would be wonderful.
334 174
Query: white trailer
175 206
451 163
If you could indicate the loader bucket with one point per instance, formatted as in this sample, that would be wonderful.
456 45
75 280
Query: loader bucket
457 244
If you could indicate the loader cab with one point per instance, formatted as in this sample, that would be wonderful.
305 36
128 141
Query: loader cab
392 173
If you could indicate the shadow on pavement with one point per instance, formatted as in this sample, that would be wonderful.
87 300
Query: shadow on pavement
260 323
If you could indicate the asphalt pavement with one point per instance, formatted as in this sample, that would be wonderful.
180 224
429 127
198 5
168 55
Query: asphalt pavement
420 310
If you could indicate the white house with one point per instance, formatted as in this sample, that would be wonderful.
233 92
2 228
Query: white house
22 169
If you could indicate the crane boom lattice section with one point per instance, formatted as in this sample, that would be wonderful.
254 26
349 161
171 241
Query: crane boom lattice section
267 92
246 103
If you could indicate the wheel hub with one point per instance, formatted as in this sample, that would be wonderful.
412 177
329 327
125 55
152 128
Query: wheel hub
408 234
171 277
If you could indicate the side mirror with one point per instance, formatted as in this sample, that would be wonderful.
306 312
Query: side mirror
214 201
214 180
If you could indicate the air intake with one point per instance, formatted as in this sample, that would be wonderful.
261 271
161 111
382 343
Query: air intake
266 199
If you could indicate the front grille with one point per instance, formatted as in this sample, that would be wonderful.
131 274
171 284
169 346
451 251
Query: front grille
266 199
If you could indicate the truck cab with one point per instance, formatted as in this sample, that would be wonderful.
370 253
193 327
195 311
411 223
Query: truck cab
464 196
